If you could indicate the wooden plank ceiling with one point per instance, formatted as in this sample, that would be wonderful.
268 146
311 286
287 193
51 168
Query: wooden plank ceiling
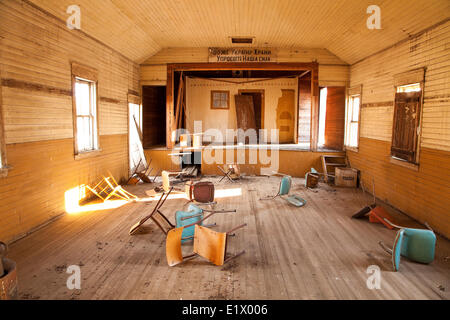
140 28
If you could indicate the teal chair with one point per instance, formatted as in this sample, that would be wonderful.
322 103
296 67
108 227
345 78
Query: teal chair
284 189
414 244
190 218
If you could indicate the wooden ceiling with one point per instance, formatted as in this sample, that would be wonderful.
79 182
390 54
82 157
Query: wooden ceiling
140 28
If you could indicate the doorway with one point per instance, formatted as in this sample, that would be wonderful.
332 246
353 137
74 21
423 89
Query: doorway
136 152
154 116
258 107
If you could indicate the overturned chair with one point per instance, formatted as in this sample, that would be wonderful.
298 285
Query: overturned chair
414 244
233 172
284 189
108 189
183 218
208 244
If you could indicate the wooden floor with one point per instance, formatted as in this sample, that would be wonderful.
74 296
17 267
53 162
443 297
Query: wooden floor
314 252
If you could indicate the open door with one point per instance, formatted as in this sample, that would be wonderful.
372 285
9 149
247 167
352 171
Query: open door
335 118
286 116
136 151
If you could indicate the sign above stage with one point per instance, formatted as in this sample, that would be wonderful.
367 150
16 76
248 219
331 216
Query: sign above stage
242 55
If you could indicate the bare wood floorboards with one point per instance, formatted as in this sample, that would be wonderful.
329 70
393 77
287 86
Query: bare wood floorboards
314 252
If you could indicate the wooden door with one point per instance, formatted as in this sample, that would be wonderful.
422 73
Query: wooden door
245 113
335 118
286 116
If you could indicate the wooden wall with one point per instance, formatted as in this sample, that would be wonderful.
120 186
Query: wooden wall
198 103
332 70
423 194
295 163
35 67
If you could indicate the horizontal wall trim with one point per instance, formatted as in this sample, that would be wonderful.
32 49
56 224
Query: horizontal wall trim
18 84
110 100
378 104
63 139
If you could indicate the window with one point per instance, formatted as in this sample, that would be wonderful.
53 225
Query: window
405 131
220 99
352 127
85 109
407 117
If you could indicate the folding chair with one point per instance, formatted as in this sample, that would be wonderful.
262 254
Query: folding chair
284 189
108 188
414 244
194 214
154 216
233 172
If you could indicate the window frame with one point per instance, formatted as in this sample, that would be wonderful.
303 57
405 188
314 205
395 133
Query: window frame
86 74
352 92
416 76
212 99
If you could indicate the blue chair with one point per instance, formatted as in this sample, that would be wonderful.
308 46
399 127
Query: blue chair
194 215
284 189
414 244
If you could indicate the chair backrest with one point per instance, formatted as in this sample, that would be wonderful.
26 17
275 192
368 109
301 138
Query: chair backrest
165 180
415 244
419 245
203 192
285 185
210 244
189 218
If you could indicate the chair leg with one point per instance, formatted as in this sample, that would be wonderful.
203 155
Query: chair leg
234 256
383 246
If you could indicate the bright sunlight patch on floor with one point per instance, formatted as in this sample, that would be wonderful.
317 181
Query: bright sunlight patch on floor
72 202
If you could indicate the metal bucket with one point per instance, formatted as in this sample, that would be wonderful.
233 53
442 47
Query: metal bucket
8 283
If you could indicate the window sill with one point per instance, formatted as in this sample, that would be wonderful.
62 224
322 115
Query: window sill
405 164
354 149
88 154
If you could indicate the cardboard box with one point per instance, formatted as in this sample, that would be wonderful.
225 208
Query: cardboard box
346 177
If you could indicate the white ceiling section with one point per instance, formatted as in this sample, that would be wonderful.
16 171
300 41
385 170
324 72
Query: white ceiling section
140 28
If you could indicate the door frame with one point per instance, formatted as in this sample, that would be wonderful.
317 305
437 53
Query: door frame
312 67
